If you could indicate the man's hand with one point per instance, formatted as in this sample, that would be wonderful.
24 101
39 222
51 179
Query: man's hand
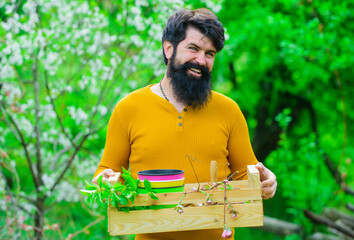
105 175
268 181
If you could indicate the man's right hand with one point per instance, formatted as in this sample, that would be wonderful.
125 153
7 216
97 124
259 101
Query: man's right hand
105 175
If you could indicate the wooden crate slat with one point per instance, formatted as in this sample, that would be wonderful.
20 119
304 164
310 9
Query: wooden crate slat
238 195
166 220
234 184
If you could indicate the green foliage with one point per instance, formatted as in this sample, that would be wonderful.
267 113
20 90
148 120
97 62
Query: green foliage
303 178
118 194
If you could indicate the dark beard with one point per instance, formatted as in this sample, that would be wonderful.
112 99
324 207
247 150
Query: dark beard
188 89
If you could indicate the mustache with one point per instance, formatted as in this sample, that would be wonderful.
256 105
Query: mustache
184 67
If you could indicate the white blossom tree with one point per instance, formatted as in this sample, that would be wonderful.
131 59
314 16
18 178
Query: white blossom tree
63 67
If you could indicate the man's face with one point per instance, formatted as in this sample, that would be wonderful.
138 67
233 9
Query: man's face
195 48
190 68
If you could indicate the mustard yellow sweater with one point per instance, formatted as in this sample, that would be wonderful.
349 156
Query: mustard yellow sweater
148 132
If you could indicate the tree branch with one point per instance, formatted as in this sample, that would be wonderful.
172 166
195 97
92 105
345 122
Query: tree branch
88 226
64 150
37 123
23 143
55 109
280 227
350 207
77 148
326 221
334 215
322 236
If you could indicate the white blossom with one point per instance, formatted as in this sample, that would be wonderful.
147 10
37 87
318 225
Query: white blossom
48 113
78 115
67 192
12 92
52 57
69 89
83 82
102 110
25 125
48 180
117 90
6 71
133 84
137 40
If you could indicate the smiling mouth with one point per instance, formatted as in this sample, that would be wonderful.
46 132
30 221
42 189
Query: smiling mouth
196 70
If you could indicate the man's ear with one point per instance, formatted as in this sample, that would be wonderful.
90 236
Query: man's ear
168 49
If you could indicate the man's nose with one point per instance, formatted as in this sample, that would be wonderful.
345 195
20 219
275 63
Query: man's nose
201 59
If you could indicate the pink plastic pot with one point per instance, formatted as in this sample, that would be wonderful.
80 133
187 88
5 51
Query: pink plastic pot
161 174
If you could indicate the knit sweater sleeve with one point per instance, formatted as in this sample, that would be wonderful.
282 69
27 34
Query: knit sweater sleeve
240 150
117 148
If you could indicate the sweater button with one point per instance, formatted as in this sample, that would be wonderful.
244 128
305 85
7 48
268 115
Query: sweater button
185 109
180 117
180 124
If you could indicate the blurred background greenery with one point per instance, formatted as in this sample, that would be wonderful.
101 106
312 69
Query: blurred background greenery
65 64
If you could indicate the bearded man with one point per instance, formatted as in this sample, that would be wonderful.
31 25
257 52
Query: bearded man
164 125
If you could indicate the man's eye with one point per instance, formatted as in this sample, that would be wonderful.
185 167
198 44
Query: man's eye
210 54
193 48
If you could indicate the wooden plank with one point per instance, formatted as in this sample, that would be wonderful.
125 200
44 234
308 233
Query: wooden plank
167 220
237 195
253 177
109 210
213 171
234 184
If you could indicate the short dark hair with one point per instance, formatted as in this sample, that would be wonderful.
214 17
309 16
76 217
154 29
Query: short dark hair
202 19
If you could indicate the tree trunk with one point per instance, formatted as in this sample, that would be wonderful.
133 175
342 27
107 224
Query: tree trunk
39 218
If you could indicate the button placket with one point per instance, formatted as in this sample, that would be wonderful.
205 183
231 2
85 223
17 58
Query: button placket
180 118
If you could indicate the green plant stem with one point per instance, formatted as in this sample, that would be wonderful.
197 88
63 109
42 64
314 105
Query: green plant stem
195 174
180 201
225 203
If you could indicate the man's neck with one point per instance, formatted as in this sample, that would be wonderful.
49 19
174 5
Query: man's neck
164 89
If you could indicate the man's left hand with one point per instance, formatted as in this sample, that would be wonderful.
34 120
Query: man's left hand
268 181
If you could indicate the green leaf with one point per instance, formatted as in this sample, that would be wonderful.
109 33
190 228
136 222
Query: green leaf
115 196
87 192
105 194
118 186
132 199
99 181
129 180
113 201
91 186
100 199
153 196
108 185
90 198
128 194
147 185
95 197
124 201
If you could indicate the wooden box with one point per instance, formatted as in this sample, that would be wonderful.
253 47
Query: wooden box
245 198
